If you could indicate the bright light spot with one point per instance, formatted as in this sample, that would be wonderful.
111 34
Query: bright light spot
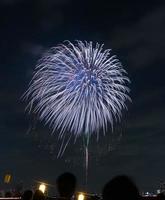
7 178
81 197
42 187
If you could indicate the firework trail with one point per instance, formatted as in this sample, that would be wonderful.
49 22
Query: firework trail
78 89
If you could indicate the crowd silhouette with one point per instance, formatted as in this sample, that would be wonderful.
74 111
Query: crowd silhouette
120 187
66 185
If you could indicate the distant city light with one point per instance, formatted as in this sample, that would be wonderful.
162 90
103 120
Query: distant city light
81 196
42 187
7 178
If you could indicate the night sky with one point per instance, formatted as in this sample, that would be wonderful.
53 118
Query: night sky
135 30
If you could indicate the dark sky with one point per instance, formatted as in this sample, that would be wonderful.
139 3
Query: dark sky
135 30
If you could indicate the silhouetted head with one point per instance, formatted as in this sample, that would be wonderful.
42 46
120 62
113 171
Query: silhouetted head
161 196
120 187
27 195
66 185
8 194
38 195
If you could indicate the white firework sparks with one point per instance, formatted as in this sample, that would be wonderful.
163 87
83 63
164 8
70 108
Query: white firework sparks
78 88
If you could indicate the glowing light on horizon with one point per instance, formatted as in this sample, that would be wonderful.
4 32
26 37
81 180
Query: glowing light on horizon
42 187
81 196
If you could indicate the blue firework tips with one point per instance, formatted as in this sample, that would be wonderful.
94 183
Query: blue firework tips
78 88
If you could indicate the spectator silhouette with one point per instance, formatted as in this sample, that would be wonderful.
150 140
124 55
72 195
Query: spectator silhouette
66 185
161 196
8 194
1 194
38 195
120 187
27 195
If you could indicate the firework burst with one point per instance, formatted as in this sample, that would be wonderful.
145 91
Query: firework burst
78 89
